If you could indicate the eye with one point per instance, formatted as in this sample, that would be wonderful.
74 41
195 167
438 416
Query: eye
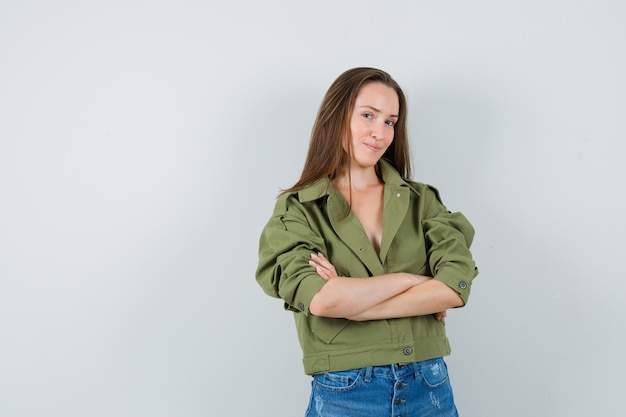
390 123
368 115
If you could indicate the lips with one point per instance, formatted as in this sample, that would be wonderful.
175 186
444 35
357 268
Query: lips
372 147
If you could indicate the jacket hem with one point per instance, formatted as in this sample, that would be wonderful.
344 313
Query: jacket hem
333 361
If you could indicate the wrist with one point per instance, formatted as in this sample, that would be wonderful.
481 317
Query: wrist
420 279
415 279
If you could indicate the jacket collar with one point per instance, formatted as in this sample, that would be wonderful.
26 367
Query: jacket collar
348 227
323 186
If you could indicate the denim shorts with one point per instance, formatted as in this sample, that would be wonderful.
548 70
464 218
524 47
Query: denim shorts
415 389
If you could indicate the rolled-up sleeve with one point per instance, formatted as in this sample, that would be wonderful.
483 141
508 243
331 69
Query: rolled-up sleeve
448 238
285 248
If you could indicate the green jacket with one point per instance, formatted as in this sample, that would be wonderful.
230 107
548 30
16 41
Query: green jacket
420 236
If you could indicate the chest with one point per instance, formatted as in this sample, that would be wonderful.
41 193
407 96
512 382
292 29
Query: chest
367 206
356 244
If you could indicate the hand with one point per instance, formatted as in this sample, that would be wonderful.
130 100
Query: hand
439 316
322 266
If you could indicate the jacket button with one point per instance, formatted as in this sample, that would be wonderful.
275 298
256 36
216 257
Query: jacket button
462 285
407 350
301 307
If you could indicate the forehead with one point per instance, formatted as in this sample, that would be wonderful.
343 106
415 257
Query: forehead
378 96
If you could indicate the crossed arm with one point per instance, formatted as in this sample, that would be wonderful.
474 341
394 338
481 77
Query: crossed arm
380 297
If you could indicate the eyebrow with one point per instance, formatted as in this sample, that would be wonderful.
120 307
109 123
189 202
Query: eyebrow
378 111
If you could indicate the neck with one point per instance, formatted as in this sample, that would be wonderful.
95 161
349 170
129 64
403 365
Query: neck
358 178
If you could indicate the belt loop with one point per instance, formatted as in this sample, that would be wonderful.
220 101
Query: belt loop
416 370
368 374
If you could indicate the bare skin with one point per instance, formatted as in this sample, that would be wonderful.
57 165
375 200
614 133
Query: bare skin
381 297
385 296
366 203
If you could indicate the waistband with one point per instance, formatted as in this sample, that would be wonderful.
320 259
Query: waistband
395 371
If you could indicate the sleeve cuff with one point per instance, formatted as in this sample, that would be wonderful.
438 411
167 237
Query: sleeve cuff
459 281
307 289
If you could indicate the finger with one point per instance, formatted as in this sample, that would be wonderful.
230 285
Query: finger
440 315
316 264
320 270
320 258
319 261
315 260
322 261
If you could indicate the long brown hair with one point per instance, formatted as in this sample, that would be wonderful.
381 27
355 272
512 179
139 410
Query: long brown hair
326 156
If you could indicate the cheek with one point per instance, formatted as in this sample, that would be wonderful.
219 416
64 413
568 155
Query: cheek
355 129
389 142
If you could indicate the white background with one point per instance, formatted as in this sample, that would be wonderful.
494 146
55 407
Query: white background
142 144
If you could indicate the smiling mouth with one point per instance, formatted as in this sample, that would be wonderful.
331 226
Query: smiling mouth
373 147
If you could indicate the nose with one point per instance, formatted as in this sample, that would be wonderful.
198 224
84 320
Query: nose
377 131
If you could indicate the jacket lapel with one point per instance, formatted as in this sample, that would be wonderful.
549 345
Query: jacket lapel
396 202
350 231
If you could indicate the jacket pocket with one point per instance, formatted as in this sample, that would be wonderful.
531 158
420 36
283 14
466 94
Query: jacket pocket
327 329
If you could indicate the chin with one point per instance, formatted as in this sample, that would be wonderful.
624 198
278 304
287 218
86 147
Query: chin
367 164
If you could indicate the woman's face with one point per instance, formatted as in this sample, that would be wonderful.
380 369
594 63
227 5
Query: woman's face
372 123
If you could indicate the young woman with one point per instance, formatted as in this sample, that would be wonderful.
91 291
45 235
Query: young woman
368 260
